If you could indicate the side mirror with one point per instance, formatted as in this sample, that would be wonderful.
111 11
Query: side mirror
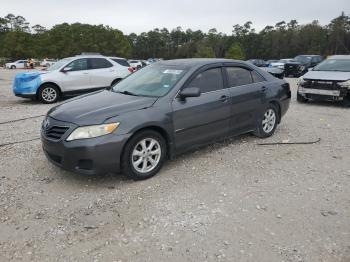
66 69
190 92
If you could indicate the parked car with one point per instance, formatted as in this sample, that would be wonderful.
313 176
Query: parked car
257 62
160 111
47 62
19 64
123 62
329 80
302 63
280 63
276 72
69 76
269 62
135 64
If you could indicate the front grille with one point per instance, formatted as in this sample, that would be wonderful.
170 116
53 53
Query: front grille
55 132
325 85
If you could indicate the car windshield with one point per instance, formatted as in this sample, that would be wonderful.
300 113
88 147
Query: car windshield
303 59
58 64
342 65
153 81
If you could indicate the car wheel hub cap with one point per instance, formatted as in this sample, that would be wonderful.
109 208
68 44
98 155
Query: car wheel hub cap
269 121
146 155
49 94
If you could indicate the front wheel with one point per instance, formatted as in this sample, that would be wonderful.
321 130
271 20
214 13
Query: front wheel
13 67
144 155
267 123
48 94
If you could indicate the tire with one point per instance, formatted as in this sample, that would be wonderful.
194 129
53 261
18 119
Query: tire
13 67
267 122
48 94
346 101
134 151
301 99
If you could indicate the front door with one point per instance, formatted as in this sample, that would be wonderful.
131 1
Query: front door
200 119
77 79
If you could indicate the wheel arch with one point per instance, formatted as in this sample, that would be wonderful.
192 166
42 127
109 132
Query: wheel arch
118 79
45 83
158 129
277 104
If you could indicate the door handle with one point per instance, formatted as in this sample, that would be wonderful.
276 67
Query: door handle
223 99
85 73
263 88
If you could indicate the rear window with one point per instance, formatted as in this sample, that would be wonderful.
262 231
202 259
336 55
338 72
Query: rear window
121 62
238 76
98 63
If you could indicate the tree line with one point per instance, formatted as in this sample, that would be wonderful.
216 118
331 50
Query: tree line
18 39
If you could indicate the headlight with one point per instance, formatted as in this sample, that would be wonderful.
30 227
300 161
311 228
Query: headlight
92 131
301 81
345 84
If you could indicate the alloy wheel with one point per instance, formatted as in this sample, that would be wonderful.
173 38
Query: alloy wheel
146 155
49 94
269 120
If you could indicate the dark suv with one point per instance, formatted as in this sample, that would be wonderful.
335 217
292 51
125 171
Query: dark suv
301 65
160 111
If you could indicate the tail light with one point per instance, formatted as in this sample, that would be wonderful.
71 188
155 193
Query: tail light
131 70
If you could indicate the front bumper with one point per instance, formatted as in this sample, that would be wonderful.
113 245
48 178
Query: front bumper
86 156
334 94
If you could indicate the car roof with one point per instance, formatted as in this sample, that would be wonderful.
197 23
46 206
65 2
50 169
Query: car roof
308 55
194 62
339 57
116 57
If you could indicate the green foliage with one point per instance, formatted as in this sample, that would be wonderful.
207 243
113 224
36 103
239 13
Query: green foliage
204 52
235 52
283 40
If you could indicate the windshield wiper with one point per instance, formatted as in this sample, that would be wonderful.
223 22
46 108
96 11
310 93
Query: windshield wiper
127 93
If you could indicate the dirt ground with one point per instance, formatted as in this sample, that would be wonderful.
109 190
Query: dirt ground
230 201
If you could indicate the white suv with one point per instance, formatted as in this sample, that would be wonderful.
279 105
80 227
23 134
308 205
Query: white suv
70 76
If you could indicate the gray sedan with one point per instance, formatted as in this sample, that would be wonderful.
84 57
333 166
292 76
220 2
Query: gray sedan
160 111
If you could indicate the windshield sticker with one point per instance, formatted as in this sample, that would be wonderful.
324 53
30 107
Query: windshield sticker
172 71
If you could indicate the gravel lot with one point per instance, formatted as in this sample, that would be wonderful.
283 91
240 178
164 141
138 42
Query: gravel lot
230 201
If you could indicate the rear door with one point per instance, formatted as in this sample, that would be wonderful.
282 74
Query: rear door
200 119
247 92
102 72
77 79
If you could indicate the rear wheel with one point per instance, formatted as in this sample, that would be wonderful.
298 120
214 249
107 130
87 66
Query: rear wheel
144 155
346 101
48 94
268 122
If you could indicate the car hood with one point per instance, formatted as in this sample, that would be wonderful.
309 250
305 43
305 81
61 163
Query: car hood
327 75
95 108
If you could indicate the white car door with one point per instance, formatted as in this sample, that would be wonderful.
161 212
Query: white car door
75 77
102 72
21 64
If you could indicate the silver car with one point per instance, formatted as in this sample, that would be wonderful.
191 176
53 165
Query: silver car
329 80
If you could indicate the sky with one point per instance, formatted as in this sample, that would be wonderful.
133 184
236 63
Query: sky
143 15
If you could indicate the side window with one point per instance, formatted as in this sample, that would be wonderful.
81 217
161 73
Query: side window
122 62
98 63
238 76
79 64
209 80
256 77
